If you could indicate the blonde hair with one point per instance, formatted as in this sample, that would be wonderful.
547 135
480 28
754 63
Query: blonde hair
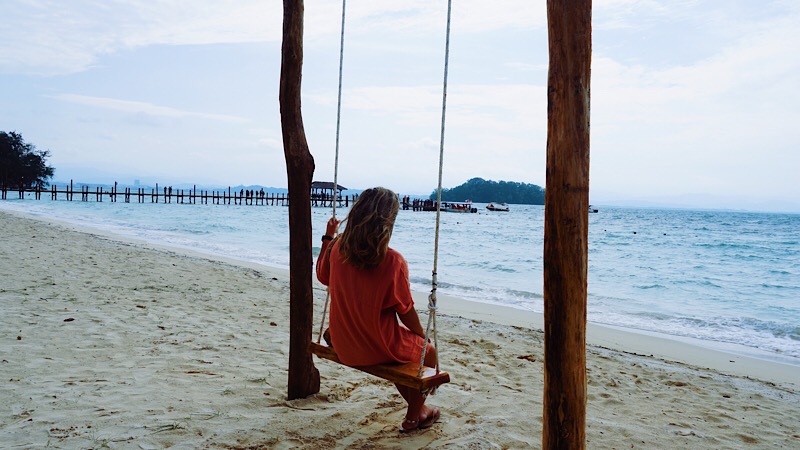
370 222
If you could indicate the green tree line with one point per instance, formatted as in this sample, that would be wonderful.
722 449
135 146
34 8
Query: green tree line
21 163
484 191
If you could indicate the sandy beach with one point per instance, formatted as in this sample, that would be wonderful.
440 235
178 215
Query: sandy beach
112 343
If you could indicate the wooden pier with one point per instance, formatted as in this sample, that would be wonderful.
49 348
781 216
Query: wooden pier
169 195
322 195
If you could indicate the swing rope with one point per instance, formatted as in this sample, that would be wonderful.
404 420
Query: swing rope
338 116
335 161
432 306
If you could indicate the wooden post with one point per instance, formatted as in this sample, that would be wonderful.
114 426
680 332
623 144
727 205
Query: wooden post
303 375
566 223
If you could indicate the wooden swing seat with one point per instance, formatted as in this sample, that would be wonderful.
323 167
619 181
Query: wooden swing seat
402 374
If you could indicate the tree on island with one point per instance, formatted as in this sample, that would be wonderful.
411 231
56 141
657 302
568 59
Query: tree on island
485 191
21 164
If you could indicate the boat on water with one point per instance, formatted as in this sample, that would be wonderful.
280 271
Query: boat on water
465 207
497 206
592 209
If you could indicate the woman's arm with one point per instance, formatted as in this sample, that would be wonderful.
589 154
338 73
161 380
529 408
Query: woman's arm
411 321
324 263
324 260
402 292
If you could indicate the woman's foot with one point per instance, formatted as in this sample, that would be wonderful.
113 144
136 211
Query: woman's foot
428 416
409 425
433 414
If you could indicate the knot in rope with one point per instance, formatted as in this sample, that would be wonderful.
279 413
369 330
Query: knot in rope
432 296
432 302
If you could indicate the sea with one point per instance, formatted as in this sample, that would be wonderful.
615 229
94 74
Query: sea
728 280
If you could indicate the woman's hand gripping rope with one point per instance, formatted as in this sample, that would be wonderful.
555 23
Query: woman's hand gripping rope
332 228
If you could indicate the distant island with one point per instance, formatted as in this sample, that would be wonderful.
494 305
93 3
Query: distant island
484 191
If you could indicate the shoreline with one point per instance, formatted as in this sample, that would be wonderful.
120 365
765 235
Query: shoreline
636 343
112 343
669 348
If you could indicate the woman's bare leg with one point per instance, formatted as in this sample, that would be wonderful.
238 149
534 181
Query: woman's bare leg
417 411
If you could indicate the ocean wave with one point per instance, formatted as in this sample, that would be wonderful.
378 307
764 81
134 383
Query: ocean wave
779 272
771 336
723 245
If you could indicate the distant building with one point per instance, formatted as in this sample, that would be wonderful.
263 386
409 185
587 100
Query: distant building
325 187
323 193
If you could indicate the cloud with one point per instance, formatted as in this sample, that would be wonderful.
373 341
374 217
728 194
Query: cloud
716 124
640 14
147 109
51 37
55 37
424 16
420 104
487 127
751 77
526 67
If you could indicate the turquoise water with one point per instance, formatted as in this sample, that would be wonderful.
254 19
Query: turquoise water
728 279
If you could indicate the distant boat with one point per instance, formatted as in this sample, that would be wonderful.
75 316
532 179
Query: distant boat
465 207
497 206
592 209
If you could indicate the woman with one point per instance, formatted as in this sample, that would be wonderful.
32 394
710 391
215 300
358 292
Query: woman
370 291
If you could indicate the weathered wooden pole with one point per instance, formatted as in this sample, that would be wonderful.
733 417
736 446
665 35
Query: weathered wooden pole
566 223
303 375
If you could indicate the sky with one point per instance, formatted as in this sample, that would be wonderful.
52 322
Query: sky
694 103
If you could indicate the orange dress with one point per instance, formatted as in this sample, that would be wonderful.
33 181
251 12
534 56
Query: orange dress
363 312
